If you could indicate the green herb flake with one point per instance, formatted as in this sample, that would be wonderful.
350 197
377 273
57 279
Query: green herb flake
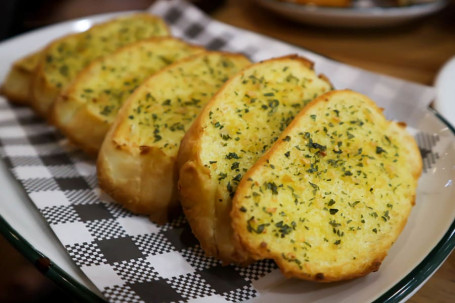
257 230
333 211
272 186
232 156
380 150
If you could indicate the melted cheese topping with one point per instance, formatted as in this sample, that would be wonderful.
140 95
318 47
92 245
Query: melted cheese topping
167 103
336 189
250 113
110 81
64 59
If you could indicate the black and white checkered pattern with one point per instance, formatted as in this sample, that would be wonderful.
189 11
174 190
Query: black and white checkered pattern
120 294
127 257
136 271
86 254
191 286
426 143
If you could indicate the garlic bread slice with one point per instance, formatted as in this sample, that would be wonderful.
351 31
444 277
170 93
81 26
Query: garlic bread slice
64 58
235 128
334 192
87 108
136 162
16 86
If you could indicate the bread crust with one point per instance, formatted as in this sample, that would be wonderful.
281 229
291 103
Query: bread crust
197 192
137 181
323 270
16 86
204 200
43 91
143 177
71 113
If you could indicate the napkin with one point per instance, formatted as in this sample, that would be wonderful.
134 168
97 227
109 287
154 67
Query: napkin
128 258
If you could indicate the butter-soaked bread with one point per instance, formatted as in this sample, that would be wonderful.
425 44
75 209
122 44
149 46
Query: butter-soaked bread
332 195
87 108
64 58
16 86
136 163
235 128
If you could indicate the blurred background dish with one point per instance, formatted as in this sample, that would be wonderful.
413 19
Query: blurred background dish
353 13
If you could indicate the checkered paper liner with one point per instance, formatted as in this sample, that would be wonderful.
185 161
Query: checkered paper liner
128 258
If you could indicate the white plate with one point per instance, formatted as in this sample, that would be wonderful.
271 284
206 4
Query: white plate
427 240
364 14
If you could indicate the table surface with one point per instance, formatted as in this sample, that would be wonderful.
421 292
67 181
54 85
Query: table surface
414 52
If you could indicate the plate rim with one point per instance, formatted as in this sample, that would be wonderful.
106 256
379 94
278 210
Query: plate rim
427 267
51 271
373 10
389 15
399 292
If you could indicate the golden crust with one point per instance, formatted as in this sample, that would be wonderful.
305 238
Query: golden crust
206 202
137 181
332 236
16 86
76 51
83 129
80 116
197 193
136 163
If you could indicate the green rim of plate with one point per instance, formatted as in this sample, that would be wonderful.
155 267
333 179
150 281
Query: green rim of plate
50 270
432 261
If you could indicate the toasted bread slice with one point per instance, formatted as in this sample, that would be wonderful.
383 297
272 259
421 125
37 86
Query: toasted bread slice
86 109
136 163
334 192
16 86
235 128
64 58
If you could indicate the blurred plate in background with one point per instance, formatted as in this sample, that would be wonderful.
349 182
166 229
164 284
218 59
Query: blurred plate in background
362 13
